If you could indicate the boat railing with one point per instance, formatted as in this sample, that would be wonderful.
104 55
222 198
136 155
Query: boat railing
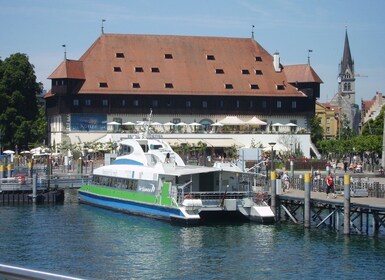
181 191
219 195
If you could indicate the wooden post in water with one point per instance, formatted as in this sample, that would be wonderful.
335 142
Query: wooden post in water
34 188
307 200
347 204
273 178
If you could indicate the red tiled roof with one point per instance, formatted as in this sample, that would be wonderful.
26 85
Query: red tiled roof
302 73
71 69
113 58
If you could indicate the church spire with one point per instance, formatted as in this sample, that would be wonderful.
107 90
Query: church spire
347 61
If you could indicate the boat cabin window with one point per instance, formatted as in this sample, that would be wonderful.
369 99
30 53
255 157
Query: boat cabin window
125 150
155 147
144 147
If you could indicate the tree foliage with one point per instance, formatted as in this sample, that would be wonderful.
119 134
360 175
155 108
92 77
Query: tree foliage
316 130
21 119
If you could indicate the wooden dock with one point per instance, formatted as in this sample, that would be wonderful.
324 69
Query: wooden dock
367 214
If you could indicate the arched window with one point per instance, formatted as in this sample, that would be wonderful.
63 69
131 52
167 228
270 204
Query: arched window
345 86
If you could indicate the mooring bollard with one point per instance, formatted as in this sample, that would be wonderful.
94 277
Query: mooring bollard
346 204
307 201
273 179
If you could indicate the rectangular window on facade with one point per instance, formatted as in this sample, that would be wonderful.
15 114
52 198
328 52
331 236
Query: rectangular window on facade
139 69
117 69
258 72
229 86
204 104
155 70
135 85
168 56
258 58
119 55
168 85
293 104
88 102
105 102
279 104
327 129
219 71
76 102
188 104
254 86
103 85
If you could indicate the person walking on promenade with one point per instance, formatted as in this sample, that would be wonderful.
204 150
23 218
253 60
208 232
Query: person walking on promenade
330 186
286 180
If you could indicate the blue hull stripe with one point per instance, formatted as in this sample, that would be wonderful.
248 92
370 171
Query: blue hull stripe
131 206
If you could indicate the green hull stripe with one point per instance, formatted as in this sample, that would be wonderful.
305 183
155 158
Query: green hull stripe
164 200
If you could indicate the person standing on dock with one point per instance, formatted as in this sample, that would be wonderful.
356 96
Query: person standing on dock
330 186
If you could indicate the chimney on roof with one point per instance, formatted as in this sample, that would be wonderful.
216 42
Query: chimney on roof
276 62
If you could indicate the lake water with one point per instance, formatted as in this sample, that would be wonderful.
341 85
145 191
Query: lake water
85 241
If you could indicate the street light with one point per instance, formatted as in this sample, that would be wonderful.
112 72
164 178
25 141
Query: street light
272 144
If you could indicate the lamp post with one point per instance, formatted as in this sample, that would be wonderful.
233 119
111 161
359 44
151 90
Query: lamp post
272 144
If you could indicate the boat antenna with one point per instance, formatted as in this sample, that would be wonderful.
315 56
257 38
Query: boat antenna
148 124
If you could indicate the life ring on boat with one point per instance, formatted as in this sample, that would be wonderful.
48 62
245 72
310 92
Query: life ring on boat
188 196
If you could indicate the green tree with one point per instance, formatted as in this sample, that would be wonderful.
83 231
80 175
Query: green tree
316 130
18 107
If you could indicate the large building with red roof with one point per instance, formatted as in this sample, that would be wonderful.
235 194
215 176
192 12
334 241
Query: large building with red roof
181 78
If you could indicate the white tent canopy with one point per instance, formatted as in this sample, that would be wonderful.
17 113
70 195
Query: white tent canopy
232 120
255 121
128 123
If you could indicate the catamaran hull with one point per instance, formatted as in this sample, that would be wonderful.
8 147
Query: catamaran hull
137 208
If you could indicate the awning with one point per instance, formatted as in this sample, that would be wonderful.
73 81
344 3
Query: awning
223 143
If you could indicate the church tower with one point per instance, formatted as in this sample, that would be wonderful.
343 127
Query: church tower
346 77
345 98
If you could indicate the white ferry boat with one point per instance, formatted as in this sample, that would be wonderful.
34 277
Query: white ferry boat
148 178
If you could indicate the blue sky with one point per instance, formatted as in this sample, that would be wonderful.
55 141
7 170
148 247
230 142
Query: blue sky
39 28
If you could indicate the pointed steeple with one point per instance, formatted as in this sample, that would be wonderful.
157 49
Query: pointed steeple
347 61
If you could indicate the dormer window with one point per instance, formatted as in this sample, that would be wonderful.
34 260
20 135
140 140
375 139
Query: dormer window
258 72
168 85
119 55
139 69
258 58
280 87
254 86
168 56
245 72
135 85
155 70
219 71
117 69
103 85
210 57
229 86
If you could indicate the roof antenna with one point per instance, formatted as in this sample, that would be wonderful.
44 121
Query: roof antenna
252 31
103 20
65 51
308 56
